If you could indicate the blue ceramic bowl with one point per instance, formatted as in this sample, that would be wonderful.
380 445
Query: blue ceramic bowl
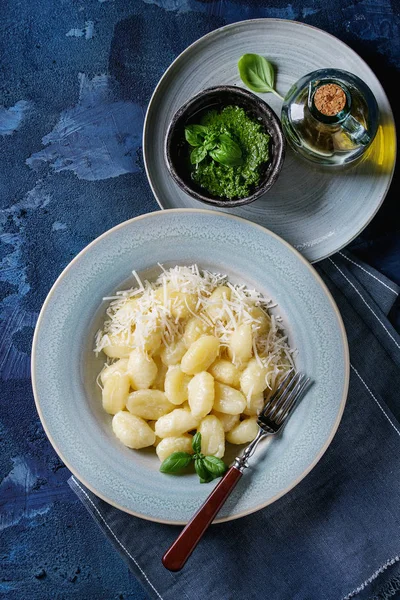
64 367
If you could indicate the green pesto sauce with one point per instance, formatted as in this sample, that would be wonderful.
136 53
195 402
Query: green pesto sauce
234 182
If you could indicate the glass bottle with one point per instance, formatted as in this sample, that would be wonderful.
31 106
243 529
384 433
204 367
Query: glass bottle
330 117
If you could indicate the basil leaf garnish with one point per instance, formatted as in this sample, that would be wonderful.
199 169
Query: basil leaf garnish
257 73
195 134
215 465
227 152
175 462
202 472
196 443
198 154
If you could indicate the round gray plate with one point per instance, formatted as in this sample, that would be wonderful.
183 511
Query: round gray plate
65 368
317 211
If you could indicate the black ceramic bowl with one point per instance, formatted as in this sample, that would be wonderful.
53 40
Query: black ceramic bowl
216 98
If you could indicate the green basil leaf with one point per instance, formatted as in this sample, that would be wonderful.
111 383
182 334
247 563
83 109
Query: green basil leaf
215 465
196 443
175 462
202 472
197 155
195 134
226 139
256 72
227 152
211 141
212 136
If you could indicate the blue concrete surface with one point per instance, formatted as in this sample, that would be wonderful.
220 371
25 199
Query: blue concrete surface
64 66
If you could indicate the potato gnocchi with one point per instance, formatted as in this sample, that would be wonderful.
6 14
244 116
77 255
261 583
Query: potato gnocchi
189 352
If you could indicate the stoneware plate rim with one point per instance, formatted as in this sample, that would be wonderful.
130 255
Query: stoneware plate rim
224 29
186 211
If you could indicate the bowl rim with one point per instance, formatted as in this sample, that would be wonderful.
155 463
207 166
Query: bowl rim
279 150
312 271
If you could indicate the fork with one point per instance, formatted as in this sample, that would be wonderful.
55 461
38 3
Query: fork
271 420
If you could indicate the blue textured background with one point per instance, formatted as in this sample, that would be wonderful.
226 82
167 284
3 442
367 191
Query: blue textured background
86 69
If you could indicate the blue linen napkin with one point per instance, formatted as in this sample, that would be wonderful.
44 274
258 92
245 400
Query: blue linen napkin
336 535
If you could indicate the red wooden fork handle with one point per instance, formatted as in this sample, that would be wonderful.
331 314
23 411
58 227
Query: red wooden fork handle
186 542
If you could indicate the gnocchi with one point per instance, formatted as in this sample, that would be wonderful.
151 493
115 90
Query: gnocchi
149 341
118 367
228 400
118 346
200 355
168 445
172 354
254 405
189 352
182 305
216 309
115 392
201 394
132 431
148 404
194 329
227 421
176 385
141 369
225 372
212 436
179 421
243 432
127 312
253 380
241 344
262 320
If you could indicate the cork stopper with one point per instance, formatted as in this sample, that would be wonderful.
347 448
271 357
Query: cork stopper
329 99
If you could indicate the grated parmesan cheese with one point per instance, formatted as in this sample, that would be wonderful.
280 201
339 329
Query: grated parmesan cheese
146 314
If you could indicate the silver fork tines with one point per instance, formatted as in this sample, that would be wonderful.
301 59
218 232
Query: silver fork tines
292 400
276 411
287 399
281 397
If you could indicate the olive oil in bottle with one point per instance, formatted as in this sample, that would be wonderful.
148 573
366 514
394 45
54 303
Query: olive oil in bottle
330 117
